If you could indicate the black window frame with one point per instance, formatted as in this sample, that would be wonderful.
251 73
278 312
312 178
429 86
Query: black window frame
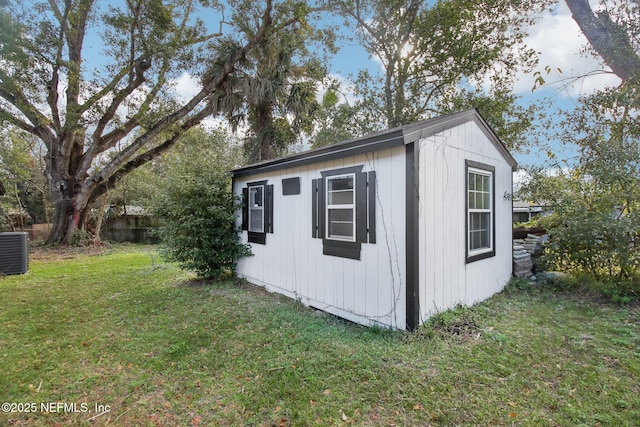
267 212
364 216
482 168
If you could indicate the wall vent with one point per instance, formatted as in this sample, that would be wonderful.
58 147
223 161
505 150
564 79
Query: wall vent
14 258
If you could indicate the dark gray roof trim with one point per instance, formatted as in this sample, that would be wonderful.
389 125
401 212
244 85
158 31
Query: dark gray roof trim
378 141
375 142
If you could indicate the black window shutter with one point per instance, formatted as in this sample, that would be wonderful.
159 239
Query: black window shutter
269 209
317 208
371 187
321 208
314 208
245 208
361 207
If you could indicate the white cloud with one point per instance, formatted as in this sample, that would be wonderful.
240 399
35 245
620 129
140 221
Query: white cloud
558 39
186 87
560 44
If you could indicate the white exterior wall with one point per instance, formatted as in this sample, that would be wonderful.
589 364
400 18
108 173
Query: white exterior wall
445 280
367 291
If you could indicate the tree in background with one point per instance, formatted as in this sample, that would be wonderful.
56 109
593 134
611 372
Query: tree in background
274 90
22 167
434 55
595 225
82 111
193 198
333 120
595 221
613 34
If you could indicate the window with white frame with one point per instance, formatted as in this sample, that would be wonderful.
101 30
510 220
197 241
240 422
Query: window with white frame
341 208
480 211
256 208
257 211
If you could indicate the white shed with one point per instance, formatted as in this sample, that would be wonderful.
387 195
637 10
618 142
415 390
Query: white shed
387 229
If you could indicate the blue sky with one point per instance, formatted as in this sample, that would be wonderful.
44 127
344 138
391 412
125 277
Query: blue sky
555 36
559 42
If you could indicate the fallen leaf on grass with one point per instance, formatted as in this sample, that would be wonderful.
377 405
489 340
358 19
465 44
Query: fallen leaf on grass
344 417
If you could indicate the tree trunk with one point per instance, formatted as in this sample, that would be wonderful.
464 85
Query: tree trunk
65 219
70 203
103 206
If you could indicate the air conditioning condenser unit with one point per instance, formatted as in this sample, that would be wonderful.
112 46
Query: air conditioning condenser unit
14 258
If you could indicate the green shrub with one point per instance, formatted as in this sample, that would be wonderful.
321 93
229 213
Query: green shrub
81 238
595 242
199 231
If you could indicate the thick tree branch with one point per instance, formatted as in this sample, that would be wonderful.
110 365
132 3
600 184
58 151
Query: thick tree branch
73 140
12 94
151 154
52 86
211 84
608 39
41 132
102 142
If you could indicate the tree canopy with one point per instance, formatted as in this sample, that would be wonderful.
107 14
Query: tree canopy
83 111
437 56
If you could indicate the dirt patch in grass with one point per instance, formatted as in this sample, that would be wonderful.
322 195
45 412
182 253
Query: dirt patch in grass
461 327
45 253
61 253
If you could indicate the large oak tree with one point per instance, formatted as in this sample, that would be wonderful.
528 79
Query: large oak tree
99 121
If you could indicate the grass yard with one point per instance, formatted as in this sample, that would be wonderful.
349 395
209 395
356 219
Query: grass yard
122 338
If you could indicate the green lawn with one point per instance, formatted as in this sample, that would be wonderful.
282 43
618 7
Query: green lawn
153 346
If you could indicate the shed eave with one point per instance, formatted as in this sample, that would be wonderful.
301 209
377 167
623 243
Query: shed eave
378 141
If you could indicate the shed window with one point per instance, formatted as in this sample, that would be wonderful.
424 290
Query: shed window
480 211
257 211
343 210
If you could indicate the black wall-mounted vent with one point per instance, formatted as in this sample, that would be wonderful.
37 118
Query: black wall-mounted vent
14 257
291 186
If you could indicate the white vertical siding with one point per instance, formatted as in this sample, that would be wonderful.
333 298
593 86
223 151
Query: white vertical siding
368 291
372 290
445 280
